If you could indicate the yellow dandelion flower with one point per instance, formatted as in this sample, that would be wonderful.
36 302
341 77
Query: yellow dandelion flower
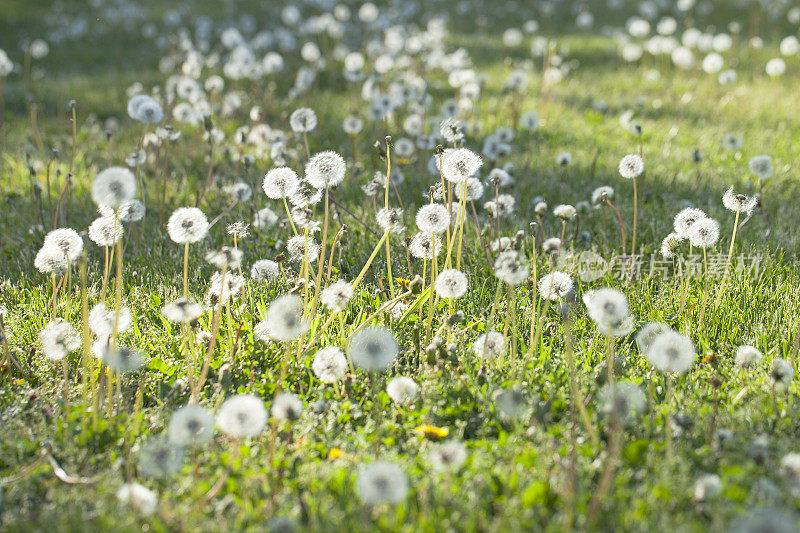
433 432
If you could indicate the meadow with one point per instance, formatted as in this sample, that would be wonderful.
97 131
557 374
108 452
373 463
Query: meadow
399 266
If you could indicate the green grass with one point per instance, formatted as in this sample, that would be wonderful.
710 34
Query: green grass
520 474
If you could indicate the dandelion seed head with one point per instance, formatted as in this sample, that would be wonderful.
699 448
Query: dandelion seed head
671 352
402 390
736 202
265 270
781 373
285 318
113 187
433 218
187 225
226 257
489 345
264 218
286 407
423 246
329 365
325 169
303 120
509 268
608 308
761 167
747 356
685 220
138 497
555 286
242 416
191 425
670 245
602 193
704 233
159 458
648 333
451 284
447 456
58 338
373 348
183 310
631 166
281 182
623 400
65 240
460 164
301 246
382 482
102 319
390 219
123 358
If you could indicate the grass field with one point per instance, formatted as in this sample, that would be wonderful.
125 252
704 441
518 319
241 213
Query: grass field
535 432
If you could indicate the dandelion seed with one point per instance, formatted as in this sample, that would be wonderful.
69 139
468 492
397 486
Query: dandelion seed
325 169
225 257
631 166
138 497
284 320
490 345
65 240
451 284
460 164
191 425
329 364
242 416
670 245
704 233
382 482
671 352
707 486
623 400
184 310
58 339
373 348
303 120
447 456
265 270
102 320
113 187
391 219
739 202
555 286
123 358
648 333
564 212
159 458
609 310
423 244
264 218
187 225
781 373
286 407
402 390
685 220
761 167
337 295
747 356
510 269
281 182
433 218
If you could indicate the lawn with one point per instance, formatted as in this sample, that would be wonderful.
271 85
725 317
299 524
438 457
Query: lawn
602 337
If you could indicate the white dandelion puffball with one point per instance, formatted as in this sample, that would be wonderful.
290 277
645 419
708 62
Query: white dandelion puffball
242 416
447 455
671 352
490 345
685 220
183 310
138 497
739 202
113 187
286 407
285 318
402 390
337 295
281 182
761 167
382 482
704 233
191 425
747 356
329 365
648 333
65 242
58 339
373 348
187 225
509 268
433 218
325 169
265 270
608 308
460 164
390 219
451 284
103 320
555 285
159 458
631 166
303 120
623 400
564 211
775 67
